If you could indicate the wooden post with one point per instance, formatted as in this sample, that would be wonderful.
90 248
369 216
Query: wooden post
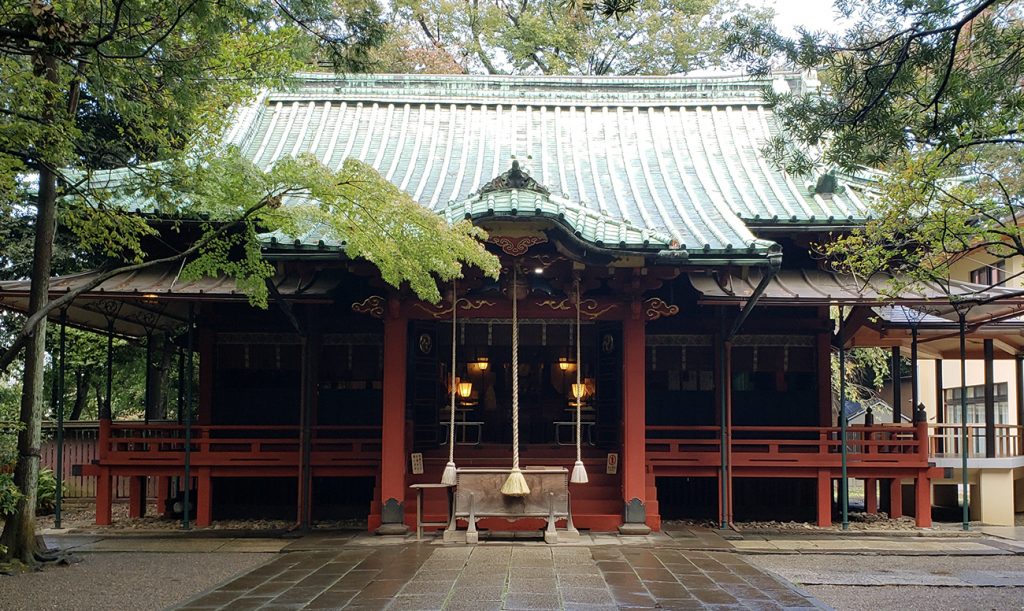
871 495
990 400
923 500
940 408
392 464
1019 377
824 346
897 386
309 377
207 358
104 496
824 498
136 496
204 497
895 498
634 423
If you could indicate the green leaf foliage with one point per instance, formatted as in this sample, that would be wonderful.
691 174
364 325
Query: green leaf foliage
932 92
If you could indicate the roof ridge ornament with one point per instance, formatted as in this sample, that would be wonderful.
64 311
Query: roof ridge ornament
514 178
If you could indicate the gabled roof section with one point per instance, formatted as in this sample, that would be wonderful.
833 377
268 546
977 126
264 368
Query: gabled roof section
673 156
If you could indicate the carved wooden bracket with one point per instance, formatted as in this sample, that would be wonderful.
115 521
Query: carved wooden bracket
373 306
655 308
515 247
440 312
590 309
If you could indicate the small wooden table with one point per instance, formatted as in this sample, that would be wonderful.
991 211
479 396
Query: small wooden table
419 488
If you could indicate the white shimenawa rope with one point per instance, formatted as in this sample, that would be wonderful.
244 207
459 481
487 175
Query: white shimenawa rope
448 477
515 485
579 472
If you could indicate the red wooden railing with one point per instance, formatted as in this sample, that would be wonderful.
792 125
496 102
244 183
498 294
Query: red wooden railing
896 445
220 445
945 440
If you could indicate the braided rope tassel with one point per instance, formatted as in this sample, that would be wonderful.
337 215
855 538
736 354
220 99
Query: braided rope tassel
515 485
448 477
579 472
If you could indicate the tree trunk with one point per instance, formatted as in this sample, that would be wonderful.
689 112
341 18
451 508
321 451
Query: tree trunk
19 534
81 395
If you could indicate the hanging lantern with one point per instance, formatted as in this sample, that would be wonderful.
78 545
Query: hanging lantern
565 363
465 389
482 363
579 391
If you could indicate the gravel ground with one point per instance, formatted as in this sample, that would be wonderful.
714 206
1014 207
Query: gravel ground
913 598
139 581
823 576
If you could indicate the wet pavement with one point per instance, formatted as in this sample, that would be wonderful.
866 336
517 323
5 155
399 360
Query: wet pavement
503 576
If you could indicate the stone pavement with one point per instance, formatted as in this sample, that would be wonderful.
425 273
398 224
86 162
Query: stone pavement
498 575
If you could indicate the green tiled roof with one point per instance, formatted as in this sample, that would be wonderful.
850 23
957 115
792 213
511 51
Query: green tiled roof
628 161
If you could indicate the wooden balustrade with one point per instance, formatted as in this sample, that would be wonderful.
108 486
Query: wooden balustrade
220 445
897 445
945 440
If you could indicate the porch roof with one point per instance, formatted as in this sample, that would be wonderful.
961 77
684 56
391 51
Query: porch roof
673 157
156 299
806 287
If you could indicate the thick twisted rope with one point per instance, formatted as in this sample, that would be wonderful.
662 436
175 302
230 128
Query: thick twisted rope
515 371
448 477
579 368
579 472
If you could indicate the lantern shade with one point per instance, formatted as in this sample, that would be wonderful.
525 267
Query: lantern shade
565 363
482 363
465 389
579 391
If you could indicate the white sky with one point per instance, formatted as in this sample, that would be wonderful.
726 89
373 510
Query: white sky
812 14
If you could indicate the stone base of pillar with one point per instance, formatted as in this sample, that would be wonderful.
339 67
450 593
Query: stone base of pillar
392 516
634 529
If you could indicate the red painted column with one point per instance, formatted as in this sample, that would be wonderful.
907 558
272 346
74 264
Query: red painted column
104 497
634 418
207 348
871 495
923 500
824 498
896 498
104 492
204 498
392 463
136 497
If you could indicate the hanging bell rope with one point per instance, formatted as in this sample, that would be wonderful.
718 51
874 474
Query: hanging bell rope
579 472
448 477
515 485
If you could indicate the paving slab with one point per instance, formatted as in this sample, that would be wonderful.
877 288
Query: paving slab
510 576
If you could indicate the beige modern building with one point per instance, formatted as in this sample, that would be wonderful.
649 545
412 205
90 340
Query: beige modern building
996 455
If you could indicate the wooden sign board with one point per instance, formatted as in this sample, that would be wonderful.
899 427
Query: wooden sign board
417 463
612 466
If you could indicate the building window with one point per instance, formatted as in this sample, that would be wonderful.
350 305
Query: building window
990 275
976 410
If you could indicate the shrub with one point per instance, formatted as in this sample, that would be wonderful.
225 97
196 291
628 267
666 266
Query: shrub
46 493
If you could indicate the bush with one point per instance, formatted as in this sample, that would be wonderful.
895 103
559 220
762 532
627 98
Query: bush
9 494
46 493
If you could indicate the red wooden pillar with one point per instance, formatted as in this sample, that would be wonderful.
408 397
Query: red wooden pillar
824 358
136 496
161 495
104 497
207 347
392 463
824 498
204 497
104 489
896 498
634 418
871 495
923 500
